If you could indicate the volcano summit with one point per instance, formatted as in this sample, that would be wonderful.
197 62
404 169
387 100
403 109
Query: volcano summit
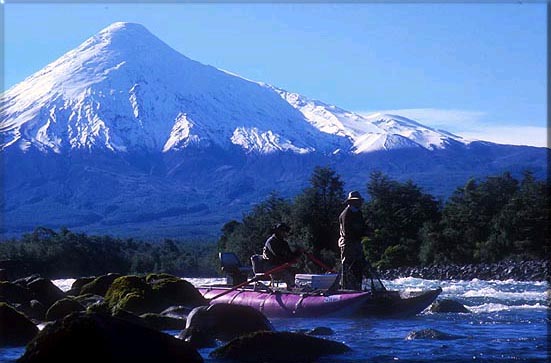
124 135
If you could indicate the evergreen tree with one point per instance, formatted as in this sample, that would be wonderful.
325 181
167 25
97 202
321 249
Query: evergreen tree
521 228
395 213
317 209
468 215
316 217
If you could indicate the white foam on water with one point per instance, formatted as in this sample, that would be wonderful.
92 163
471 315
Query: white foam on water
495 307
505 295
200 281
64 284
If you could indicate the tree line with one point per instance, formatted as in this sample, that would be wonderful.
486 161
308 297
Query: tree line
66 254
487 220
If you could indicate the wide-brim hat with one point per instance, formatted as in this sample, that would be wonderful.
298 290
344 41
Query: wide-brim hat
281 227
354 195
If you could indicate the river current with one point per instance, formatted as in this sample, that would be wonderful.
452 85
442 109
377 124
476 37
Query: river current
509 322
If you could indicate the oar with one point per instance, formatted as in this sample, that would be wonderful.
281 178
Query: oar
269 272
319 263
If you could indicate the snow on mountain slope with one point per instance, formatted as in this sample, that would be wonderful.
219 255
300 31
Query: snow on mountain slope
124 89
369 133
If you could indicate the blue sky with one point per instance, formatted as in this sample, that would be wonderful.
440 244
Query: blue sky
478 70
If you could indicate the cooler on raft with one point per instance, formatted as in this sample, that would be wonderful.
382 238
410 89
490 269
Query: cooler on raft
315 281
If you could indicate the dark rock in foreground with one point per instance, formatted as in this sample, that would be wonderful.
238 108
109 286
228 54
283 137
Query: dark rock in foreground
82 337
16 329
271 347
224 322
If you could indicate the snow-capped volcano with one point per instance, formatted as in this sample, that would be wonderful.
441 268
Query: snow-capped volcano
124 89
123 135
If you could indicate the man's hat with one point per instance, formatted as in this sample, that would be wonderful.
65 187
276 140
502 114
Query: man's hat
354 195
281 227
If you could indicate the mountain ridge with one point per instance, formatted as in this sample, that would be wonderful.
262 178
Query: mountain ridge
114 139
113 91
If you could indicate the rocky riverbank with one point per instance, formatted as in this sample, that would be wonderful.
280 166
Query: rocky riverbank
535 270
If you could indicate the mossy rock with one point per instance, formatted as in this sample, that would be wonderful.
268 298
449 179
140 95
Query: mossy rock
152 277
62 308
16 328
175 291
78 284
99 308
134 294
280 347
131 293
100 285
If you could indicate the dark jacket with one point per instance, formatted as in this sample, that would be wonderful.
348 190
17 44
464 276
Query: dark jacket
277 251
352 227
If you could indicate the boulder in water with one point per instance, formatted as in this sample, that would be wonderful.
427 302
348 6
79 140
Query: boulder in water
280 347
162 322
99 285
34 309
223 322
135 294
448 306
45 291
178 311
14 293
62 308
78 284
171 290
83 337
431 334
16 328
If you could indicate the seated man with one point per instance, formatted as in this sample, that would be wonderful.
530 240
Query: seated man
277 252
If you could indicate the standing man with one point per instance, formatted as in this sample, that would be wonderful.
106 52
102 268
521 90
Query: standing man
352 229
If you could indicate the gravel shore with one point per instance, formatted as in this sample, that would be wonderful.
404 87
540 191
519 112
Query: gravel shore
535 270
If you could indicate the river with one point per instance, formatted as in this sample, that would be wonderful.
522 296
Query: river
508 322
